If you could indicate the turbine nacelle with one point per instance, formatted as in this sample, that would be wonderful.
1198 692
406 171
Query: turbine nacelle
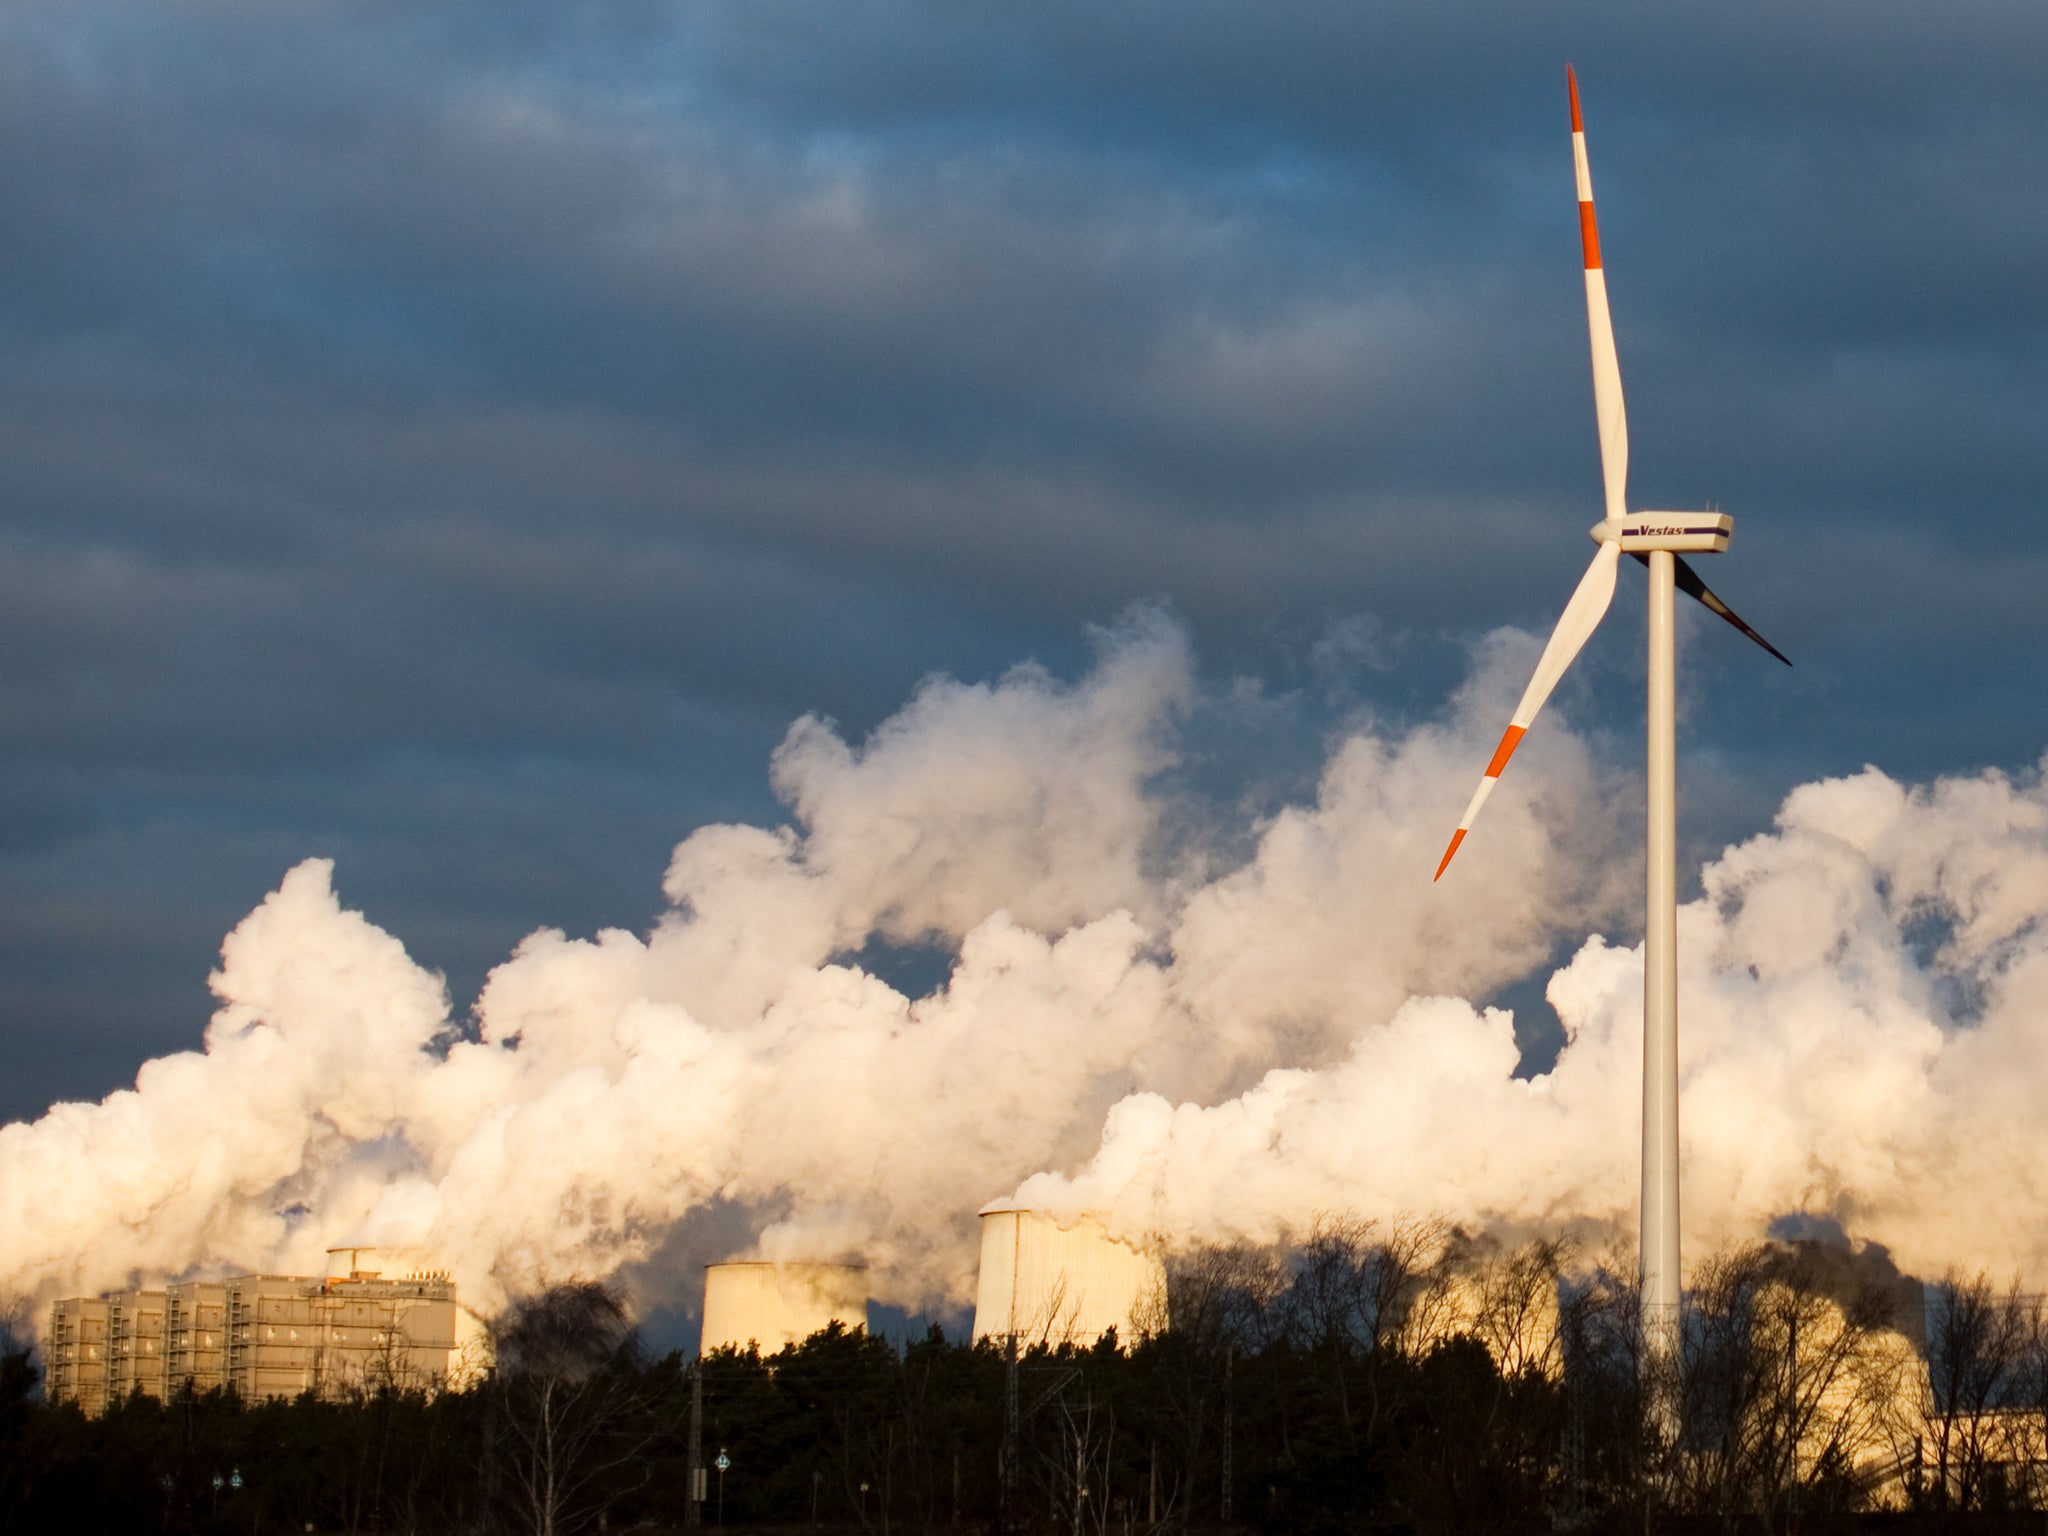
1692 533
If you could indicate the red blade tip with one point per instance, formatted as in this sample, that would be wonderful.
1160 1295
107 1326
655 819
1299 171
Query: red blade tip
1572 80
1457 837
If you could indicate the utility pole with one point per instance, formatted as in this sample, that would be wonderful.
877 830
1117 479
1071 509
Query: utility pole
693 1506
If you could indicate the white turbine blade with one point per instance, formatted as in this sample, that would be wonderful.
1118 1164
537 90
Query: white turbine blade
1607 406
1581 617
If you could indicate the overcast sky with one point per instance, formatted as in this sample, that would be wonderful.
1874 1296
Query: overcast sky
458 439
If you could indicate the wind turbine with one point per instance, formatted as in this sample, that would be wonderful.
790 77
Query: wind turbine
1658 540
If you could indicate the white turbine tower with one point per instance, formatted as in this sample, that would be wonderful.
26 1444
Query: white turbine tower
1656 539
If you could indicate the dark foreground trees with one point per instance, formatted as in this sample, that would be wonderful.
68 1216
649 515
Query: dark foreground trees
1390 1377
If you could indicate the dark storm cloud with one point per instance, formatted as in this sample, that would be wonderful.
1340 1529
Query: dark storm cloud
458 438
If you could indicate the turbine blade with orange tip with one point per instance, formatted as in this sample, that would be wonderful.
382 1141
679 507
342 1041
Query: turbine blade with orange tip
1607 403
1582 615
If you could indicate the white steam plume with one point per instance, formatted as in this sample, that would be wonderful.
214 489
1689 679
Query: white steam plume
1864 1037
1194 1050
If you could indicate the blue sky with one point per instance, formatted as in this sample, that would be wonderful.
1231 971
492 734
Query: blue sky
459 439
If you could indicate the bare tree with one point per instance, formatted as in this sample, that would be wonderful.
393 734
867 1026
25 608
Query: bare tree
1057 1319
1793 1378
1979 1346
1514 1295
1217 1302
1077 1457
571 1410
1217 1293
2029 1416
1358 1291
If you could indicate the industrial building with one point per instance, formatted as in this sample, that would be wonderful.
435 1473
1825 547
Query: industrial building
768 1305
1044 1283
256 1335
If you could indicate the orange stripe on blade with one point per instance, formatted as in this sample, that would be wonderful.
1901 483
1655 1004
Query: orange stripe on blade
1457 837
1508 743
1572 79
1589 236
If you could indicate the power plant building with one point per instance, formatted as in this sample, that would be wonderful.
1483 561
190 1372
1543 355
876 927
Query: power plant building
768 1305
259 1336
1044 1283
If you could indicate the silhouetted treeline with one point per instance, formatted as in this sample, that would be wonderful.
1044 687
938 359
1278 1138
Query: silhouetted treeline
1372 1378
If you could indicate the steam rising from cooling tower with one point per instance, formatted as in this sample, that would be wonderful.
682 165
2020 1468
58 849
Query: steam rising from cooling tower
1136 1024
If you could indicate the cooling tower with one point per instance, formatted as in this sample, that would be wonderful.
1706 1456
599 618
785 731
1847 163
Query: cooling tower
1057 1285
770 1305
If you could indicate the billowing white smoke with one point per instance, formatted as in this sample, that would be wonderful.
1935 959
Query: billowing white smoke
1864 1037
1299 1008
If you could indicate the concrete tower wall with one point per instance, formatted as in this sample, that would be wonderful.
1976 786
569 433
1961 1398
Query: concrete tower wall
771 1305
1046 1283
